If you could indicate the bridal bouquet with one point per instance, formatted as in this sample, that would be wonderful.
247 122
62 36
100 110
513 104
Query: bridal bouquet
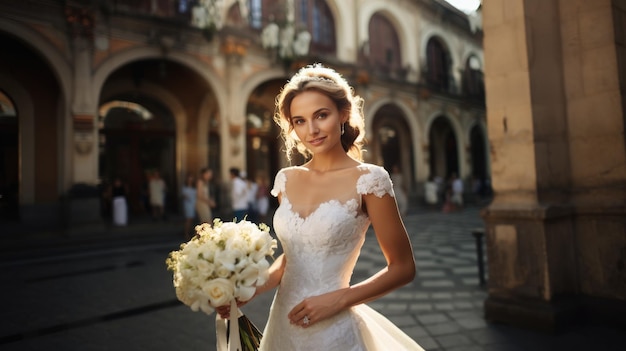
222 264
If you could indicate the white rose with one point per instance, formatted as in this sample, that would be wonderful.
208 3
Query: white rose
207 251
223 272
205 268
238 242
220 291
248 227
228 230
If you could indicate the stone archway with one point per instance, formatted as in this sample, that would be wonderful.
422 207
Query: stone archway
160 105
32 84
392 142
262 142
137 136
443 149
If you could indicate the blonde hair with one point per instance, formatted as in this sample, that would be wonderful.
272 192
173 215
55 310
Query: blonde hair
330 83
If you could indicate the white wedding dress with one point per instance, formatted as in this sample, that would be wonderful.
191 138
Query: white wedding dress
322 236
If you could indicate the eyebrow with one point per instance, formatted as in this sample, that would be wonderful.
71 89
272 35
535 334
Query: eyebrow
314 113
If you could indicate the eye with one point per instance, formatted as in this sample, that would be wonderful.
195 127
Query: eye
297 121
322 115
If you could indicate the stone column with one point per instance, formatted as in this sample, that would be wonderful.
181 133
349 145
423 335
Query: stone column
82 202
529 223
84 109
234 125
545 86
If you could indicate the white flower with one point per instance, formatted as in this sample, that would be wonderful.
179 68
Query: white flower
263 246
202 303
245 293
238 243
205 267
228 258
222 262
220 291
223 272
264 273
249 275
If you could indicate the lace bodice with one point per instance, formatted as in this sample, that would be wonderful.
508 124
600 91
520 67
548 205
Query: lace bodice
321 241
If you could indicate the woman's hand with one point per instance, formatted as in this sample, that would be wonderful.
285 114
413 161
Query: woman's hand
317 308
224 311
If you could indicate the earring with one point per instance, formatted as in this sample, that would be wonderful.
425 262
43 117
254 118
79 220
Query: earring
343 128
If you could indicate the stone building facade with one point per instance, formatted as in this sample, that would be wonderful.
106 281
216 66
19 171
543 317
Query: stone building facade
97 89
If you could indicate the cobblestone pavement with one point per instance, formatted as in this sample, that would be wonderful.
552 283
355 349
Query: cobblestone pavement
90 296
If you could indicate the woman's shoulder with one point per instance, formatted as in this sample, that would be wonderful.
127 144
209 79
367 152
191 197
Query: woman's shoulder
370 167
374 180
281 179
291 168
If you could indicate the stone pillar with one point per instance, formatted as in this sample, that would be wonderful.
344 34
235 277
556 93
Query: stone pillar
84 113
82 202
538 160
85 151
234 125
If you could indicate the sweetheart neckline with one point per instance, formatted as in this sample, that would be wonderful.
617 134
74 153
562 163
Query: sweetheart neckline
317 208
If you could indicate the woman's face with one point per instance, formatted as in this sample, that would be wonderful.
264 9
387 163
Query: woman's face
316 121
207 175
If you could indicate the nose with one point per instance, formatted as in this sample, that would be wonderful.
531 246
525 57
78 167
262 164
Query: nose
313 129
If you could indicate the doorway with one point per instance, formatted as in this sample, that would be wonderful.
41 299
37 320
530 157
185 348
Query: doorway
137 138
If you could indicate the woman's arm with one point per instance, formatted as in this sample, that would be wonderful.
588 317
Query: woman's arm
276 274
400 270
396 247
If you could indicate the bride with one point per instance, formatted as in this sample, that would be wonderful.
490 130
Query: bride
326 207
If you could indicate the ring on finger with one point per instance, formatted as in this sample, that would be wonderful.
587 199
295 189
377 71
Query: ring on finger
306 320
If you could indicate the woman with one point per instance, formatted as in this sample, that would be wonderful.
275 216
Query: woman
430 191
262 199
204 202
120 204
326 207
189 204
157 189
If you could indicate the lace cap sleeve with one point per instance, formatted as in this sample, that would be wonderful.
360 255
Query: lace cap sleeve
279 183
375 181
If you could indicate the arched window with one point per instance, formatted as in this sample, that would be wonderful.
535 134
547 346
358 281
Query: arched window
473 85
384 46
315 16
439 62
256 14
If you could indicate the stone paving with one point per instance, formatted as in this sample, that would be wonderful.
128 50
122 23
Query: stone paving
86 296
